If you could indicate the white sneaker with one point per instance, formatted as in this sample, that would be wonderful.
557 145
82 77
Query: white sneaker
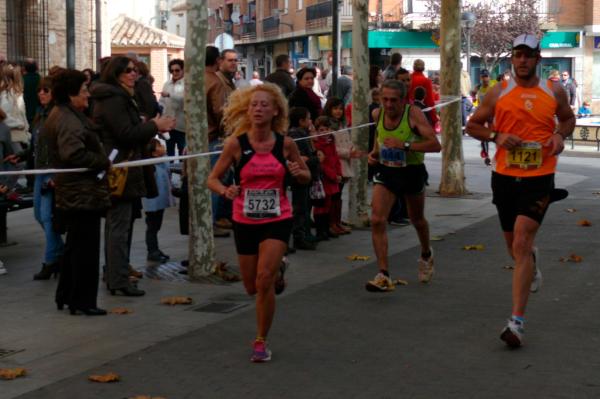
426 268
536 283
381 283
2 269
513 333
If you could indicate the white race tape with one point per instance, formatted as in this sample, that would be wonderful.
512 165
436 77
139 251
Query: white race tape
154 161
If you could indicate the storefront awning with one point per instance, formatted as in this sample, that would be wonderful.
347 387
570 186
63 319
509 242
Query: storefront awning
391 39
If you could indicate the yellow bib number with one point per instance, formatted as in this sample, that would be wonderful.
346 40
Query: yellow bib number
526 156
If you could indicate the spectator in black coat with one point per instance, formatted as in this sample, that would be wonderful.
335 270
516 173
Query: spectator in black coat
303 95
281 77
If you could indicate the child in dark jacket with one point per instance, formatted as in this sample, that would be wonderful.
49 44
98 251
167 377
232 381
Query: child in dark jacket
300 125
331 175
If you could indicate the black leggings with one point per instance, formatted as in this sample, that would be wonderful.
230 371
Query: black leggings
153 224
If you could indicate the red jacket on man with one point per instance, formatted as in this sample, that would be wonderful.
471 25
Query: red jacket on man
419 79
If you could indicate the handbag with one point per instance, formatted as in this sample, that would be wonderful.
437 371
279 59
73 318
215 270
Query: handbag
117 179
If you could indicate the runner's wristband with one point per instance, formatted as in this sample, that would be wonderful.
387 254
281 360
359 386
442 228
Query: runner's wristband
493 136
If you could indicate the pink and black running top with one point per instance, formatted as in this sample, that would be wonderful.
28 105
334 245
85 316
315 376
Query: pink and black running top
261 177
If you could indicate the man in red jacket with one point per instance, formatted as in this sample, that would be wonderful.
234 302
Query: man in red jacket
418 79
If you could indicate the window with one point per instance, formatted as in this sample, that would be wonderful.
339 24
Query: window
286 6
596 72
299 5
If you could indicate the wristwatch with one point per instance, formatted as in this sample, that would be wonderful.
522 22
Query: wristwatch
407 145
493 136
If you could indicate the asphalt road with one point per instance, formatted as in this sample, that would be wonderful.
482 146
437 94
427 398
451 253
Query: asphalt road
335 340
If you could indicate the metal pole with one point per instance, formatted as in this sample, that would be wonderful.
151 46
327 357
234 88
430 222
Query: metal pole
98 33
469 51
335 67
71 34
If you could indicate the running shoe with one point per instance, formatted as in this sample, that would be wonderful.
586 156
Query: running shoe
260 352
513 333
426 269
536 283
381 283
280 283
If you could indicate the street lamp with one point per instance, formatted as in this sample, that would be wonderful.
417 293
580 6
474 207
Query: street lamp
467 20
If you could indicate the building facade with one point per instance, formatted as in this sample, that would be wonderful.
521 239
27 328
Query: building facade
38 29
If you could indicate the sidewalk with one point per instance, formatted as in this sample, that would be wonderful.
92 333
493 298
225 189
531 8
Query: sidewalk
56 346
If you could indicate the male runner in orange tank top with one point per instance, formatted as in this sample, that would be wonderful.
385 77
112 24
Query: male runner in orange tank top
522 114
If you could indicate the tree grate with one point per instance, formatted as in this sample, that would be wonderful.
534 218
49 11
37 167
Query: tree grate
219 307
9 352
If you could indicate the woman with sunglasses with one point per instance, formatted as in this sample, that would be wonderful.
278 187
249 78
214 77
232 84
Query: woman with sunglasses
117 114
171 99
43 186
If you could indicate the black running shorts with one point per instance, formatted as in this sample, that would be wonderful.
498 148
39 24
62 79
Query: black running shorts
249 236
410 180
527 196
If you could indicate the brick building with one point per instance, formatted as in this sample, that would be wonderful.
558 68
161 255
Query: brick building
37 29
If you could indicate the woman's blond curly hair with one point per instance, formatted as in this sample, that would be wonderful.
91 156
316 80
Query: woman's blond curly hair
235 114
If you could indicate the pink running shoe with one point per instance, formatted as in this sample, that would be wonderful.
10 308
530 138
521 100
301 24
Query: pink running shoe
260 353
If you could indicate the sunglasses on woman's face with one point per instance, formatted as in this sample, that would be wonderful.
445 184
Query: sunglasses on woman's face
44 90
129 70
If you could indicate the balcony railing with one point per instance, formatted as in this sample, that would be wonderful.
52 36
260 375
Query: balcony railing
317 11
248 31
270 23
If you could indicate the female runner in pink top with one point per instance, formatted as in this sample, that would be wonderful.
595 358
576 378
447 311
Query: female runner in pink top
262 157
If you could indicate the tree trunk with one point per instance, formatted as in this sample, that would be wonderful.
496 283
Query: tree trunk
201 241
453 175
357 203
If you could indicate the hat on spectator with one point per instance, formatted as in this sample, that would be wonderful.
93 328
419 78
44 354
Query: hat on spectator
484 72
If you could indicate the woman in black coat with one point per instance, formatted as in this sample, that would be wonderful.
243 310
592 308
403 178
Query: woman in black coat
116 112
81 198
304 96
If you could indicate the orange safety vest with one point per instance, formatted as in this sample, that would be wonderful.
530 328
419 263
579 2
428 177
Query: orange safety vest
528 112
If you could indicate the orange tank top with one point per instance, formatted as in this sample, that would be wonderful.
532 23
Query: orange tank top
530 114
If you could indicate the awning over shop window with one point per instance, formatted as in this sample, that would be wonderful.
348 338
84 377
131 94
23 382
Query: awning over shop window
385 39
553 40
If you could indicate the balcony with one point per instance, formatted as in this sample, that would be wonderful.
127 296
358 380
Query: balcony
248 31
270 25
318 11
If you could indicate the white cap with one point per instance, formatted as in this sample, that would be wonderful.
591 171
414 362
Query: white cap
527 39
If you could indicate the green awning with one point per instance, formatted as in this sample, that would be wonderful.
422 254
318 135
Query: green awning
560 40
392 39
385 39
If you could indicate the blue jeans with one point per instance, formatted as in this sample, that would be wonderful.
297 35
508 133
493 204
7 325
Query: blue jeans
43 202
219 204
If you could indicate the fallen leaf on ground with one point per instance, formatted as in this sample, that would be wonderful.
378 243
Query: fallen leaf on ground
146 397
110 377
476 247
509 267
11 374
121 311
225 273
400 282
584 223
354 257
571 210
436 238
596 193
176 300
572 258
